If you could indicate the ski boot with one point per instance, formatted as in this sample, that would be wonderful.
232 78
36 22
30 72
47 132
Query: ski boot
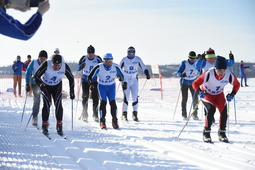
59 128
115 123
222 136
95 117
124 116
45 127
195 118
35 121
102 123
135 116
184 118
206 135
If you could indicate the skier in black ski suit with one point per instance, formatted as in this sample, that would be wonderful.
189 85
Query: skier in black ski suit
49 78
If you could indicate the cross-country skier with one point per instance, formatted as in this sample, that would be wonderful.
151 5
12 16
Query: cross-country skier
242 73
31 70
49 78
86 64
129 65
188 74
210 86
105 74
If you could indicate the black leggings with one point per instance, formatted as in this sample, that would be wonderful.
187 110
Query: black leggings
54 92
209 114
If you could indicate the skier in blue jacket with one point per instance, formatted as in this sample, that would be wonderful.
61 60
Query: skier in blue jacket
13 28
31 70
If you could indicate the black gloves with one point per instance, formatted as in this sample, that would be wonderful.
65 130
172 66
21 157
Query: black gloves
27 88
124 86
231 56
82 65
183 75
92 86
146 72
247 67
72 96
201 56
42 86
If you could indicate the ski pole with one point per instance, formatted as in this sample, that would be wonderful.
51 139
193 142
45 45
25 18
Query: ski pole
79 88
228 117
142 87
193 98
189 118
235 109
24 107
178 99
72 114
37 101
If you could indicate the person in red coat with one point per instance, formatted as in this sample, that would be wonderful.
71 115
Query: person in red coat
210 86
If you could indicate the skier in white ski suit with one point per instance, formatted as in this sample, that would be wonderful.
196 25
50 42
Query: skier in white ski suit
130 65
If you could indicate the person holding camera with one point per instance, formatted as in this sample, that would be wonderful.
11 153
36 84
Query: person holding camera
129 65
210 86
49 78
86 64
105 74
17 75
188 74
207 60
243 73
14 28
31 70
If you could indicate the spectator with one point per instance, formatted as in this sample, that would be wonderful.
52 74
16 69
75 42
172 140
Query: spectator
17 75
243 73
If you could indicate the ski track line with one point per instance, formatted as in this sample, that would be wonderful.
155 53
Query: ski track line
173 151
93 128
183 153
71 156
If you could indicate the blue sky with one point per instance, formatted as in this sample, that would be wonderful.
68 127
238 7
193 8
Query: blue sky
162 31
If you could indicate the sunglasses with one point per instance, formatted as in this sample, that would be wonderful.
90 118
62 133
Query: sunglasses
57 64
131 51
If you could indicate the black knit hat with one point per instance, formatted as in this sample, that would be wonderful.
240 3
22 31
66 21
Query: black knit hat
90 49
56 59
220 63
43 53
192 54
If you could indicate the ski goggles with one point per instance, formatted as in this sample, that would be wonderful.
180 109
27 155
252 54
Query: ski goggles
108 60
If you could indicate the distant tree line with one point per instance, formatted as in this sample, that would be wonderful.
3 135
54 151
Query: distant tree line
166 70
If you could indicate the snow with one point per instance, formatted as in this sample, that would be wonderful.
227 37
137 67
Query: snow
151 143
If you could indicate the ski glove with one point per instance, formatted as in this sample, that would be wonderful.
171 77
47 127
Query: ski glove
27 88
92 86
146 72
183 75
202 94
247 67
230 97
124 86
201 56
82 65
72 96
231 56
43 86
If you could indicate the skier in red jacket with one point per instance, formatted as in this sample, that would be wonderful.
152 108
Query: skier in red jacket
210 86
